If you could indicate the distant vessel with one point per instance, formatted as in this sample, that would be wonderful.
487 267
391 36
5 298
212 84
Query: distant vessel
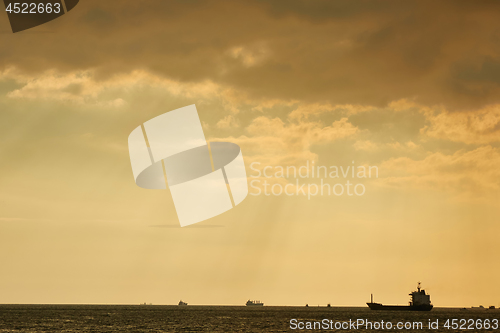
420 301
182 303
254 303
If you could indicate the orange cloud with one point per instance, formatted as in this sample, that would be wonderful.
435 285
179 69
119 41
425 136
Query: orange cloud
472 127
463 173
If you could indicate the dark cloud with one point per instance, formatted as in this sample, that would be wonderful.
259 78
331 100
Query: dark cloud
482 72
363 52
475 80
321 10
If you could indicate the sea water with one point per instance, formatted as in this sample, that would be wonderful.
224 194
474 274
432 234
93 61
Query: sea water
158 318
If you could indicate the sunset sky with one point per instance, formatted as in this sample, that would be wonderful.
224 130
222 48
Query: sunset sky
411 87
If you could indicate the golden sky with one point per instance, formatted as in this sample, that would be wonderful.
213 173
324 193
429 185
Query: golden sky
412 87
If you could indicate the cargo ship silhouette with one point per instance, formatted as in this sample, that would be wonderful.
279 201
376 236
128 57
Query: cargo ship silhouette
254 303
420 301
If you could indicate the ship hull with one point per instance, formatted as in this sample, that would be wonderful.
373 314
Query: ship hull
378 306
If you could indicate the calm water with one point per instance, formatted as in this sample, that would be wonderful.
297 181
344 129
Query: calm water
113 318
